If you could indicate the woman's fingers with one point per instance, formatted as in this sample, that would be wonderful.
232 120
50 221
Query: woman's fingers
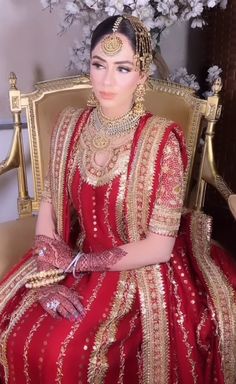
67 310
47 305
73 297
61 301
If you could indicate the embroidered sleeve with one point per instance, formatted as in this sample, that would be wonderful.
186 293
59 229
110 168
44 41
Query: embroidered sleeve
165 217
46 194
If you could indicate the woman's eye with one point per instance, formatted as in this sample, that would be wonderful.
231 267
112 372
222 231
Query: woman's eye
97 65
124 69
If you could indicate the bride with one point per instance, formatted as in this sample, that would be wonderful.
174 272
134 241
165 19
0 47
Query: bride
121 288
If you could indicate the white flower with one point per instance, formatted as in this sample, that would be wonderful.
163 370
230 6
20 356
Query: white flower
72 8
95 5
157 15
182 77
198 22
213 73
146 14
114 7
49 3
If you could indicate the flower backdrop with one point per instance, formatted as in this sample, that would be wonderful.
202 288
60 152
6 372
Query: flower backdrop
157 15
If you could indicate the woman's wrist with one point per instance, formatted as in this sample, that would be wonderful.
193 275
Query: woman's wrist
72 267
98 261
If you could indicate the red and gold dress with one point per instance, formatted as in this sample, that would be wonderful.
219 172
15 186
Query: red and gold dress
165 324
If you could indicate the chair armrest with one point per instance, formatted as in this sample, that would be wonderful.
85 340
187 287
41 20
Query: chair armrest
16 237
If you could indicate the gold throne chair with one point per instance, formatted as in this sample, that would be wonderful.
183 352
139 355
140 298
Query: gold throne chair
178 103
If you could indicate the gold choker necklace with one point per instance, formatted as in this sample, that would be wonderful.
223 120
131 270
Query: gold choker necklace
106 127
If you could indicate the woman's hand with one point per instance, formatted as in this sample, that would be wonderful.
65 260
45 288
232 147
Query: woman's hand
52 251
60 301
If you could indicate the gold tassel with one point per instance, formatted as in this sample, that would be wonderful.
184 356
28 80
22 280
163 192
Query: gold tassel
92 100
139 99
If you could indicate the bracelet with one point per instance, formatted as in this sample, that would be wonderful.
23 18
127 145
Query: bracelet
73 265
45 282
44 278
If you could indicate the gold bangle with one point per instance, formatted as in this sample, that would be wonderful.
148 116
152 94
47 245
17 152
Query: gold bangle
44 282
44 278
42 274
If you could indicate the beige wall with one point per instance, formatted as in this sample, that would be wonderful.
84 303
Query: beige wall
30 46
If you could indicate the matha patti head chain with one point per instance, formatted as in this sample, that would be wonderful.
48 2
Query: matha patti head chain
112 43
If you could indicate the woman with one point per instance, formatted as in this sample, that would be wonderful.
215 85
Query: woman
115 291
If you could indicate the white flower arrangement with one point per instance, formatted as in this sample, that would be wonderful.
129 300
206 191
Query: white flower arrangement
157 16
181 76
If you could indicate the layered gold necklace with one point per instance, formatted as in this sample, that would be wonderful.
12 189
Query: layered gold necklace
105 129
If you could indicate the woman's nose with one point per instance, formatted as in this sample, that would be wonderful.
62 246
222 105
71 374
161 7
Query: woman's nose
108 79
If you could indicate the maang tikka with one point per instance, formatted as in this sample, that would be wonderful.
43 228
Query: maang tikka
112 43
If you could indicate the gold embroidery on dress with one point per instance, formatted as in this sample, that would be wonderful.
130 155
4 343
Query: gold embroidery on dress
82 235
9 289
72 169
74 329
201 325
221 293
26 303
61 140
140 182
155 348
106 335
27 345
166 214
106 215
156 343
122 348
120 200
181 317
164 221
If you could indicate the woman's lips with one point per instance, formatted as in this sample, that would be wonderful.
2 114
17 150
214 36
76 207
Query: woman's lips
107 95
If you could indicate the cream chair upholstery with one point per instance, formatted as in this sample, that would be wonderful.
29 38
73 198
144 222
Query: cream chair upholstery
166 99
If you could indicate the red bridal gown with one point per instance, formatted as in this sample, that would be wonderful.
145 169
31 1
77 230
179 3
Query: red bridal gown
170 323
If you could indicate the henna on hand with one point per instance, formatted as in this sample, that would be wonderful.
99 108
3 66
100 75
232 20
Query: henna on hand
60 301
53 252
101 261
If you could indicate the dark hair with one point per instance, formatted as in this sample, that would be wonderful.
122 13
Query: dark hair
105 28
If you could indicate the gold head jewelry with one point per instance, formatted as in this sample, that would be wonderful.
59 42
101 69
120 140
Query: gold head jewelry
92 100
143 45
139 99
112 43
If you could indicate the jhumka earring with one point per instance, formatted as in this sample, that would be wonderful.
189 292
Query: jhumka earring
92 101
139 99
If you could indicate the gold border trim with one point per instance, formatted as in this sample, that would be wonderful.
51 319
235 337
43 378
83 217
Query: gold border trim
156 343
221 292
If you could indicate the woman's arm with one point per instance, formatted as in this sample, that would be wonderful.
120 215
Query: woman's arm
154 249
46 221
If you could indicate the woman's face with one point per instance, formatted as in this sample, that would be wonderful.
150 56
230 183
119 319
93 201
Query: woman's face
114 78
